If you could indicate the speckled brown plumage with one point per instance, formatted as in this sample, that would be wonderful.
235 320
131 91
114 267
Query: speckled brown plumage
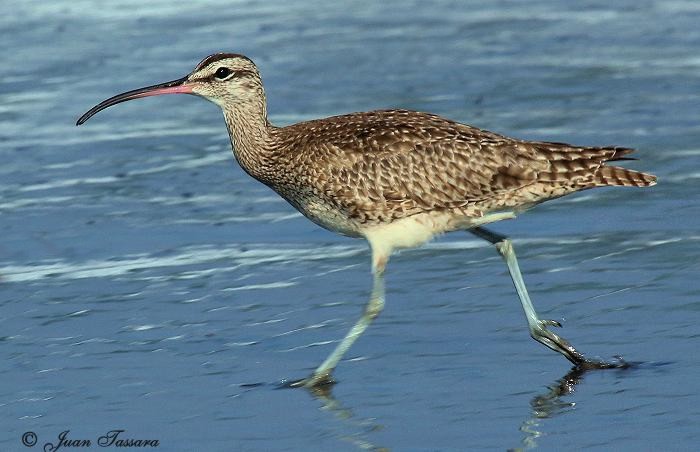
380 166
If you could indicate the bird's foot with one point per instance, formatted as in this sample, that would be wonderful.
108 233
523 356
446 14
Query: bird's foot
313 381
541 334
547 323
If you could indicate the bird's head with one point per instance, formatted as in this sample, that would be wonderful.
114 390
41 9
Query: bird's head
229 80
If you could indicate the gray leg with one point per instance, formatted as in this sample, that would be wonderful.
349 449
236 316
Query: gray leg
322 374
538 328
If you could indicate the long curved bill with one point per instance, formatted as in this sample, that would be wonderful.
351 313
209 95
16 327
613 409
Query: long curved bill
175 87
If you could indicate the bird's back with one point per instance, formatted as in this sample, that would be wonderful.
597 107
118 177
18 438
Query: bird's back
376 167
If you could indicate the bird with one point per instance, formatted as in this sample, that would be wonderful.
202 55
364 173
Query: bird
397 178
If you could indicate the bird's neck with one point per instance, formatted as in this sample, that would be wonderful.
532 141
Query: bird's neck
251 136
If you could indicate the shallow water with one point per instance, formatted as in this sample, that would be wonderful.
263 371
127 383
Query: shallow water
148 284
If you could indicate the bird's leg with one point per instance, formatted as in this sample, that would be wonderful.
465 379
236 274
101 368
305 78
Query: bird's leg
538 328
322 374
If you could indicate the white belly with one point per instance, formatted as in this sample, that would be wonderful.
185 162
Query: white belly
418 229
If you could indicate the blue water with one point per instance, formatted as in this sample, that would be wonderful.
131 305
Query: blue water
148 284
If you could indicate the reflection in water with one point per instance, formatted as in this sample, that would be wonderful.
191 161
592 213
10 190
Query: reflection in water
366 427
550 404
544 406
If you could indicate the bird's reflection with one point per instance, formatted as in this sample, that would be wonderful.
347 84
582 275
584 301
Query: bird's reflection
550 403
329 403
543 406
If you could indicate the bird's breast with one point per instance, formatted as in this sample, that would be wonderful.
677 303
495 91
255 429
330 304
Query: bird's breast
322 211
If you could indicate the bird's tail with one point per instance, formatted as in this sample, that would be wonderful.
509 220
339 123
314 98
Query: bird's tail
617 176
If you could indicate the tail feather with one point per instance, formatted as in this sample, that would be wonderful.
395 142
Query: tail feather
585 167
616 176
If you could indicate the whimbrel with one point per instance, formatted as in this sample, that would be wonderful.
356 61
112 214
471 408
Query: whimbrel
396 178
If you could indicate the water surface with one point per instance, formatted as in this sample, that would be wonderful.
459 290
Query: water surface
148 284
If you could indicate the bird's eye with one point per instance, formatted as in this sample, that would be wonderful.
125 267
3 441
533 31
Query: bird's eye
222 73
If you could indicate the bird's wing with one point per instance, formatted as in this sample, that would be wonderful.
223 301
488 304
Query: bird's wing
399 163
383 165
